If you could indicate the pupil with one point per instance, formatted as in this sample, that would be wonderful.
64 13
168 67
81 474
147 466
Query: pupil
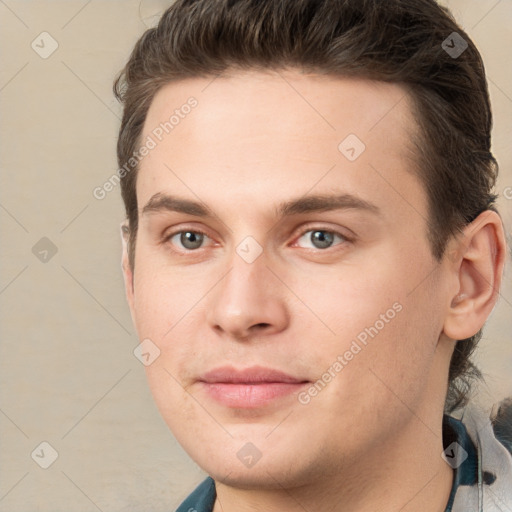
322 238
191 240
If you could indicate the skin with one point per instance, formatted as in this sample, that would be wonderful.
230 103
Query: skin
371 439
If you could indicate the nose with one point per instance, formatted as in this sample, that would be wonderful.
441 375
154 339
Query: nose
249 301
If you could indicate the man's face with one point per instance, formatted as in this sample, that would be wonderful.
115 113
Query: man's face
348 302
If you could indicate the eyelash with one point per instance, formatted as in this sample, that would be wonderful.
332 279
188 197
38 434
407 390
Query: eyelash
344 238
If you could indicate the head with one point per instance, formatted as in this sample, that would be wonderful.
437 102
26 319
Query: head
273 89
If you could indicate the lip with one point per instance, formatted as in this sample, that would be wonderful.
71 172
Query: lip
250 387
252 375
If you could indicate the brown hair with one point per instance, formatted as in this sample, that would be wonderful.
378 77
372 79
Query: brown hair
400 41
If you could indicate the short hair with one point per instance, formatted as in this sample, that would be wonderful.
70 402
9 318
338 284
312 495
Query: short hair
406 42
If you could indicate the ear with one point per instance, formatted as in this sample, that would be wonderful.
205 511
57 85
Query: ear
125 265
479 261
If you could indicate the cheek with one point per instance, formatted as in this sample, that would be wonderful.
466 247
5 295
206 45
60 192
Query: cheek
341 302
161 300
179 410
167 310
398 350
381 317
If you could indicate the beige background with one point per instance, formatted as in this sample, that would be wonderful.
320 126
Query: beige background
68 373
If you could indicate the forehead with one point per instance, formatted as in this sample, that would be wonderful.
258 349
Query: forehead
323 103
269 131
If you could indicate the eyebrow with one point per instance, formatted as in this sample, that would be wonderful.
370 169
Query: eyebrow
160 202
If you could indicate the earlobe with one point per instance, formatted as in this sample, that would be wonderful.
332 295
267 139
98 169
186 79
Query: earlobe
479 268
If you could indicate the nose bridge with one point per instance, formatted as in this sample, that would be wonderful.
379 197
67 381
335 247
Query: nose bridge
247 280
248 295
247 263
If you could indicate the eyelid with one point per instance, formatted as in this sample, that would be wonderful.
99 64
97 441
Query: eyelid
300 233
166 237
319 227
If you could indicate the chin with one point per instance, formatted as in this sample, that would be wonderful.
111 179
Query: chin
240 465
266 476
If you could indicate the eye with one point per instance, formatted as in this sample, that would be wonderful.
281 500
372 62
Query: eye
318 238
190 240
321 238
